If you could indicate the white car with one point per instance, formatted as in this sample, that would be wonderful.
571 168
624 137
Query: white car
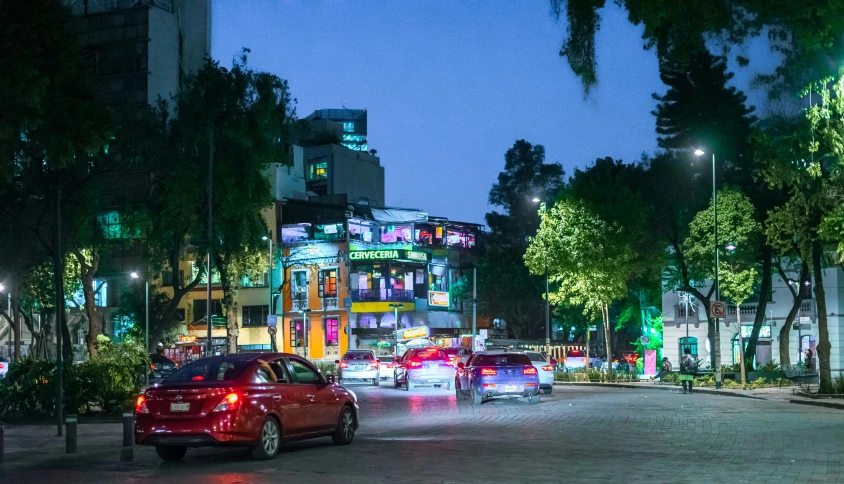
545 370
361 365
385 366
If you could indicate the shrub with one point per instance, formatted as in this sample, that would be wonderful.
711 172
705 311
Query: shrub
839 384
326 367
770 367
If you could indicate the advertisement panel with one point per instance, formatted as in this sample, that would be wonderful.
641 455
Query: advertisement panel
438 299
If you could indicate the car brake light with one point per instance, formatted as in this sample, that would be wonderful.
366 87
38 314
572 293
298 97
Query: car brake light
198 378
177 365
389 365
141 405
548 368
488 371
414 364
228 403
530 370
449 363
343 364
152 366
2 365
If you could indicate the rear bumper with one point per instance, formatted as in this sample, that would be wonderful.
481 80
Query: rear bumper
190 432
347 374
431 379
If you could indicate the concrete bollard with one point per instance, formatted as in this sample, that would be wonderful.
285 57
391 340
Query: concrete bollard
127 452
70 435
2 431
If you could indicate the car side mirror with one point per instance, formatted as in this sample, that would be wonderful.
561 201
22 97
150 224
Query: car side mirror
461 365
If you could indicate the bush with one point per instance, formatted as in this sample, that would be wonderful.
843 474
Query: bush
839 385
108 383
326 367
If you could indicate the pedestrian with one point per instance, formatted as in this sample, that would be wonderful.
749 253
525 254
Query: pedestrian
666 369
810 365
688 369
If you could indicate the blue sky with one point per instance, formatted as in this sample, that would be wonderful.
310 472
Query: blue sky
450 86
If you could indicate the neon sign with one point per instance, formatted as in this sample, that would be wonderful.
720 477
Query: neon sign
438 298
418 332
390 254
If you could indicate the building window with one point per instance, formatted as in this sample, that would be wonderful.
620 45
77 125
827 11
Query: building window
114 228
396 233
688 343
736 354
299 287
200 306
349 127
317 169
255 316
354 138
253 347
194 271
332 332
328 283
297 334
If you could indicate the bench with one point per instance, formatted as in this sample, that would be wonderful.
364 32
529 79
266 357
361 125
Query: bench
798 375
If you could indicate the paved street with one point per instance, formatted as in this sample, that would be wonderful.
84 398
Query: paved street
575 435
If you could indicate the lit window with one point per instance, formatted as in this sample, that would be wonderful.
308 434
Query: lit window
317 169
355 138
328 283
349 127
332 332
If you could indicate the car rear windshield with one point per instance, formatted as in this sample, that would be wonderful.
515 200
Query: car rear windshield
511 359
438 355
358 355
575 354
387 359
209 369
535 356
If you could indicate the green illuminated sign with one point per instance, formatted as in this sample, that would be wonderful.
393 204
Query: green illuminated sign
391 254
416 255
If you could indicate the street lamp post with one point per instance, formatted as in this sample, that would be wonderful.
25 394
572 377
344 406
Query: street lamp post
304 312
270 311
542 209
699 152
134 275
396 308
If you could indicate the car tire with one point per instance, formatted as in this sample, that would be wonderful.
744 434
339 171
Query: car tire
345 432
269 440
169 453
410 386
533 399
547 391
457 392
406 386
477 398
395 382
376 382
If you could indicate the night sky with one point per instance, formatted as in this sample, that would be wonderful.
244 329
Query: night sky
450 86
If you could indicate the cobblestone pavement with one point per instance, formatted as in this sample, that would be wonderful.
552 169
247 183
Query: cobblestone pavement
578 434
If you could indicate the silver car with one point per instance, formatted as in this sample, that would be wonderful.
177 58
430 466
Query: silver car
360 365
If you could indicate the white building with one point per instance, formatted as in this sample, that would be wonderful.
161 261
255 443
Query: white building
676 329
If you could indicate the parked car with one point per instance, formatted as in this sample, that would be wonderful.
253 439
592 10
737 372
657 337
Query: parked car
161 367
385 366
545 369
250 400
575 360
490 375
424 367
4 367
361 365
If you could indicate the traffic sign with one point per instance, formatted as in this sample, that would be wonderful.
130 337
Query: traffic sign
272 320
272 330
718 309
482 333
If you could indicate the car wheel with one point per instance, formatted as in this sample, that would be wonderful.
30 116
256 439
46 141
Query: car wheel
533 399
477 398
395 382
410 386
547 391
406 385
457 392
269 441
345 432
170 454
376 382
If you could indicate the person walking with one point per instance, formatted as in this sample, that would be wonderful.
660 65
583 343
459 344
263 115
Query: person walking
688 369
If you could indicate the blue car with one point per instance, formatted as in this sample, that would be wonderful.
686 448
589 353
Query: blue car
497 374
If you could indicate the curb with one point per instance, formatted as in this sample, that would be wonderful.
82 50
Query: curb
52 420
839 406
655 387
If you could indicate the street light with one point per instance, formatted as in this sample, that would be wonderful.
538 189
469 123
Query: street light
304 311
134 275
396 308
270 311
547 307
700 152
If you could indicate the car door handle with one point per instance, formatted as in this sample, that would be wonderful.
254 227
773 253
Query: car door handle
310 396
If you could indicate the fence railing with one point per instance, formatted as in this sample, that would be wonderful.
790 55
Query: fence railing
382 295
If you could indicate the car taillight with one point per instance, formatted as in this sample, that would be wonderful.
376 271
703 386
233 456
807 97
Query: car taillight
488 371
389 365
343 364
177 365
198 378
152 366
449 363
2 365
530 370
414 364
230 402
548 367
141 405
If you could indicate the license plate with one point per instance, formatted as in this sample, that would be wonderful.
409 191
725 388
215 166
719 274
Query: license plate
359 367
510 388
179 407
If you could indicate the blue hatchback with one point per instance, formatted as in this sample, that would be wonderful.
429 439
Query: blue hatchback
489 375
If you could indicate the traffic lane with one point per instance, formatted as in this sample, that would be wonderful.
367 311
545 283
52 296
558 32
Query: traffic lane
576 435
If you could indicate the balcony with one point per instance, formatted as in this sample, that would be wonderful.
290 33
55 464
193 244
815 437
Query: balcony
382 295
300 301
330 303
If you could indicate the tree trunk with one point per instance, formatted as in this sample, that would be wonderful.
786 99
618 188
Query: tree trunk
785 333
765 294
824 346
14 292
231 319
607 336
67 343
742 358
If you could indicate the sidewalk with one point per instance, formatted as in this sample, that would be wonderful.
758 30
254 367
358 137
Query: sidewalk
783 395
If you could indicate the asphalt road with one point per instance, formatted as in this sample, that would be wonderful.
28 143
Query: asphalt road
575 435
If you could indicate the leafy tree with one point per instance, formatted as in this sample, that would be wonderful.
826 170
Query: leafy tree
738 278
506 290
808 38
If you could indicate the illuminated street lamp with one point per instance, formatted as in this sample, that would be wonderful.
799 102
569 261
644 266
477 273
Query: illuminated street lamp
699 152
134 275
396 308
270 286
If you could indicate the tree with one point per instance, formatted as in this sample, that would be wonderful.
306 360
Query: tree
807 38
738 277
239 121
506 290
587 257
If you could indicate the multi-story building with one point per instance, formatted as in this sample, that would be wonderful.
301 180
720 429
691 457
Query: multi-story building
685 324
352 123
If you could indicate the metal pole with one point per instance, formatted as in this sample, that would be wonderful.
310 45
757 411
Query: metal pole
209 348
127 452
474 305
717 287
2 432
70 441
270 311
146 331
58 267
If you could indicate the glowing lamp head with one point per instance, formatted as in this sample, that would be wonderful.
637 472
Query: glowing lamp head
699 152
730 246
134 275
536 200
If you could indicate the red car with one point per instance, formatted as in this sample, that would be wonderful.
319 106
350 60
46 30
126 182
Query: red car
254 400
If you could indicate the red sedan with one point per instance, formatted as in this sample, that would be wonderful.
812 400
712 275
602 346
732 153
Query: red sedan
254 400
